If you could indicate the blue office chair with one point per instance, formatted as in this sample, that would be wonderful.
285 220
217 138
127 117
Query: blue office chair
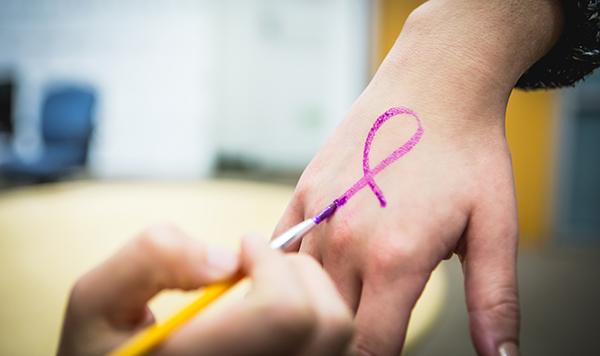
66 130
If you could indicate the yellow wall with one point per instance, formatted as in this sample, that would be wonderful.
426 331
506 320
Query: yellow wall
529 131
390 16
530 136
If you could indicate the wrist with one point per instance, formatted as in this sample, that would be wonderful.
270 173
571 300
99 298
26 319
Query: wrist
471 51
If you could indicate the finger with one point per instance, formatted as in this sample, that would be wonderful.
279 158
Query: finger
348 283
310 246
334 320
491 282
341 267
272 276
383 314
392 282
275 319
160 258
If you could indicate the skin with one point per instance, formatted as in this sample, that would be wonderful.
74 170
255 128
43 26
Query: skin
455 63
293 307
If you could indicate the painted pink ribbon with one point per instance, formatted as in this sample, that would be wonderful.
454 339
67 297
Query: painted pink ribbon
369 174
368 179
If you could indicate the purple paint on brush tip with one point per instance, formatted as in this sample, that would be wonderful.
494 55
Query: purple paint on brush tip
327 212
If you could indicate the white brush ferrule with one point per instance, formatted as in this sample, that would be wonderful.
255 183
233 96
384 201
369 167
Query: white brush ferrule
284 240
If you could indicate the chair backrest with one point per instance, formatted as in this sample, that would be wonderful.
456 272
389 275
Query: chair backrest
6 106
67 116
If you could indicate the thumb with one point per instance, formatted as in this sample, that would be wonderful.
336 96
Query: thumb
491 285
159 258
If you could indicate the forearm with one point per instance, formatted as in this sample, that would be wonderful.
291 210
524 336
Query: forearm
468 50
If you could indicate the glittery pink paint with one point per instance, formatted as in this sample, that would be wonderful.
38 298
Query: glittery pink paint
368 178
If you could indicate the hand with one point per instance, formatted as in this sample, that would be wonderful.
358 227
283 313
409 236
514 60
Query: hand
455 64
292 308
447 195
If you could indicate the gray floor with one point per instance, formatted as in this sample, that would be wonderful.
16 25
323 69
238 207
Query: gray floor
560 306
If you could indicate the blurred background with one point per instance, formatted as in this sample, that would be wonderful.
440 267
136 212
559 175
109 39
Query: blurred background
104 91
182 89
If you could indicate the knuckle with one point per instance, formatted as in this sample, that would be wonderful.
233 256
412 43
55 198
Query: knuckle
382 260
364 348
503 304
165 248
505 308
393 253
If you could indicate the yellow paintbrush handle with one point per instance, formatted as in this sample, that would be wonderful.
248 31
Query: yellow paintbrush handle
147 339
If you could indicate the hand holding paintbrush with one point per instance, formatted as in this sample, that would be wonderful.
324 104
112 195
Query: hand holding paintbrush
290 301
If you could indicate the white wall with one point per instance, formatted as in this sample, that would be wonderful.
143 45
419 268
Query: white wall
266 80
293 70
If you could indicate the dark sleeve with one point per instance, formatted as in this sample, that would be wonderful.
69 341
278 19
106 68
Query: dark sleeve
575 55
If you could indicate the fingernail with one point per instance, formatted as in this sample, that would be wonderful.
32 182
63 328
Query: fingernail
221 262
508 349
